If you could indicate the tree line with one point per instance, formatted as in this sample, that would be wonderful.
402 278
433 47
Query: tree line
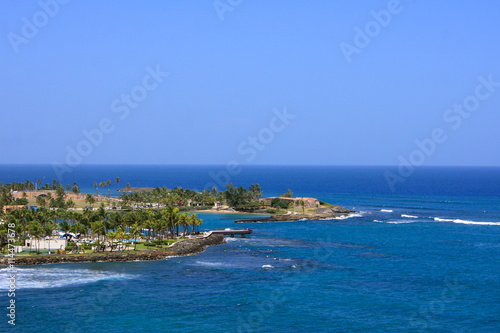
236 197
104 225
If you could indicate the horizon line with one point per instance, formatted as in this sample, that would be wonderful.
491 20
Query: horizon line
258 165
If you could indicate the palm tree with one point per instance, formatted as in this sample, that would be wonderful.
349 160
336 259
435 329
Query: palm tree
75 189
111 236
194 221
70 203
36 230
149 225
47 230
89 198
171 215
135 231
78 228
101 184
303 204
159 227
65 227
108 183
40 201
99 229
117 180
96 190
182 221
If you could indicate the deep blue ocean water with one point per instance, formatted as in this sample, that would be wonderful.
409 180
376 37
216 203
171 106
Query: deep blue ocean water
423 258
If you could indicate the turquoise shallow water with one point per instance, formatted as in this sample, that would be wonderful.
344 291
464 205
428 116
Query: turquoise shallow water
424 259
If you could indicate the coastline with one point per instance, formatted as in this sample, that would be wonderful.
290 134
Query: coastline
181 248
318 214
212 211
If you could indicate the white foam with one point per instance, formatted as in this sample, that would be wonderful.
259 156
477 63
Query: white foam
233 239
396 221
443 220
43 277
409 216
465 221
267 266
166 258
401 222
212 264
387 210
475 222
345 217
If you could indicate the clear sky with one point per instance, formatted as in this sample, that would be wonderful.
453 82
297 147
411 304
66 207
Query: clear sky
257 82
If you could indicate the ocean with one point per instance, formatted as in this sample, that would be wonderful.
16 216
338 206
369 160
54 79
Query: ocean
419 257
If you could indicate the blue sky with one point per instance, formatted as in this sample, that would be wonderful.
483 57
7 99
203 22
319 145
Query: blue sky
256 82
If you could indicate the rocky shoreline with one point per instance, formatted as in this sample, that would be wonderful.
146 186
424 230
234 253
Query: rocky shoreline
318 214
181 248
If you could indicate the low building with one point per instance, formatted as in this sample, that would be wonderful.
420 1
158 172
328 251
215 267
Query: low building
47 243
8 209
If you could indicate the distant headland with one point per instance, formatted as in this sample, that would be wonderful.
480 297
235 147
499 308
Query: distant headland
54 223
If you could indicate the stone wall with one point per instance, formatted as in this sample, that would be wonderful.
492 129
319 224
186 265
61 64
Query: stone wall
181 248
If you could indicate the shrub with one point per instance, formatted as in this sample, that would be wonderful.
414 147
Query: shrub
280 203
248 207
21 201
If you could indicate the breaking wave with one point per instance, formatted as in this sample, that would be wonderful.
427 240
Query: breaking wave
55 277
351 215
465 221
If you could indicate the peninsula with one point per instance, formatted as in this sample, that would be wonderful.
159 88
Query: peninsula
53 223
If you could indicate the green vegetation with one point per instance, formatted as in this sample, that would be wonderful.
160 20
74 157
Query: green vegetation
172 197
158 215
281 203
238 198
287 194
242 199
161 225
48 200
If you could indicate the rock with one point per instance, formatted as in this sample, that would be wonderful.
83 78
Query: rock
319 214
334 210
341 210
181 248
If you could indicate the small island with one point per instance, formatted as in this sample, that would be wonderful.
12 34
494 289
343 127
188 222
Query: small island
52 223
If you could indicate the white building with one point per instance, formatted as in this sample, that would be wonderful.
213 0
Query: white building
47 243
